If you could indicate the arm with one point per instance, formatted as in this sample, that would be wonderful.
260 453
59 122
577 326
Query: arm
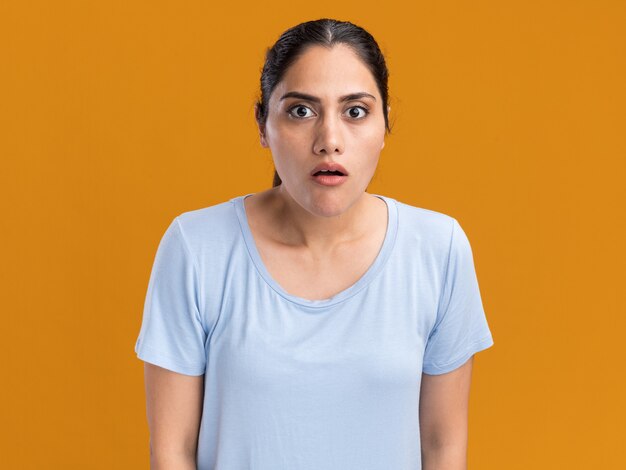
444 403
174 409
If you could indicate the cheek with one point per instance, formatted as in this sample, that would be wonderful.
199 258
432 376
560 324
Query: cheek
287 139
288 154
371 154
371 146
369 136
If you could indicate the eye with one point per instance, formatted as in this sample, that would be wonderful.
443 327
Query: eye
300 111
353 112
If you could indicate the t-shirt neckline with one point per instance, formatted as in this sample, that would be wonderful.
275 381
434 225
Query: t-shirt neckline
362 282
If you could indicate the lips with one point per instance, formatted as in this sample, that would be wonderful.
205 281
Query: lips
329 174
329 168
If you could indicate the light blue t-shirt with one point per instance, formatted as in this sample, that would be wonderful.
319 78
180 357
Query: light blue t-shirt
298 384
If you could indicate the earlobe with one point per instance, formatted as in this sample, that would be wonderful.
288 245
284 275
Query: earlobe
383 145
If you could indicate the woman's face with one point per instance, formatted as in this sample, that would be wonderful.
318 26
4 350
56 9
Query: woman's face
326 109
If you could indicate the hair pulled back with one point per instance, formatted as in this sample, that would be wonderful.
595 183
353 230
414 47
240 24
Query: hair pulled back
323 32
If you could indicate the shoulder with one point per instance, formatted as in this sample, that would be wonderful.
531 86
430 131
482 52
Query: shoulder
426 224
208 225
433 232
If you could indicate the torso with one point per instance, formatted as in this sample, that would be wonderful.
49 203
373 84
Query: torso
302 274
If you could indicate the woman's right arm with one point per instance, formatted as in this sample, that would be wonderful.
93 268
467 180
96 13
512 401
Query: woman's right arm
174 409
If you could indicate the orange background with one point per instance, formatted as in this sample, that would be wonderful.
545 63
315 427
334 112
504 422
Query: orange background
117 116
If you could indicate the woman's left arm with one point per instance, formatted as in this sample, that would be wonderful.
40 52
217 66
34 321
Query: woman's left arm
443 407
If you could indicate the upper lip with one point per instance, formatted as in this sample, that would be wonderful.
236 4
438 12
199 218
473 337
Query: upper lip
330 166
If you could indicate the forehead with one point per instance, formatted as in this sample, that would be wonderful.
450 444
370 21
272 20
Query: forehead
328 73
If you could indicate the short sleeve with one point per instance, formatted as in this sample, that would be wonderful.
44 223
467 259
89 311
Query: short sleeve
172 335
461 328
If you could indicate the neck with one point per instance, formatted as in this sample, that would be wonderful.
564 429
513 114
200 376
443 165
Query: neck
319 233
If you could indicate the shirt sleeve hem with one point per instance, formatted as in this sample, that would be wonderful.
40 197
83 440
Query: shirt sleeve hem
477 346
160 360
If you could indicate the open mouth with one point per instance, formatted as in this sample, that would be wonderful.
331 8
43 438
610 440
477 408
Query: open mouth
328 172
329 177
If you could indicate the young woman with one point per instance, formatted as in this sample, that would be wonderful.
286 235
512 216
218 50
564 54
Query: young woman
313 326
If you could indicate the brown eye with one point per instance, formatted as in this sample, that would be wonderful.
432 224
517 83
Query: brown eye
300 111
354 112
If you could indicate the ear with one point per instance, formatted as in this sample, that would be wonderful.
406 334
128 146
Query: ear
264 143
388 111
260 127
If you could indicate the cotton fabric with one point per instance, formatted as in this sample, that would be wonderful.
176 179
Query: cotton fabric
298 384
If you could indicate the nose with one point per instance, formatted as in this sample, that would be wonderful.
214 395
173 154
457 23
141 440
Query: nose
328 139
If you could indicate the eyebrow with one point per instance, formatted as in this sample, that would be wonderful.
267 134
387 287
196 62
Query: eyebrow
315 99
